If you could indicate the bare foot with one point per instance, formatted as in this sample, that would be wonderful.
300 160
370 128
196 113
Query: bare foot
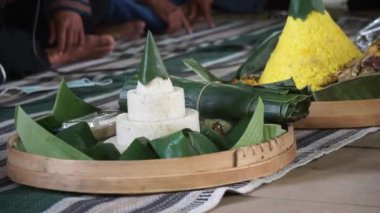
94 47
127 31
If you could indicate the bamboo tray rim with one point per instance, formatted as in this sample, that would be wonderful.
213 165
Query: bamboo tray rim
245 163
341 114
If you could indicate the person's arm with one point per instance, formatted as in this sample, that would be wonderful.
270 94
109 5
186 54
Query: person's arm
65 22
172 15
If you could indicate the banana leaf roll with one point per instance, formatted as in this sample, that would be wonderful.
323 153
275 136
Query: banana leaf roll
233 102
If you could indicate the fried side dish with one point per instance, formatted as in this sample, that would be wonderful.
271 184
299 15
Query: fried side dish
368 64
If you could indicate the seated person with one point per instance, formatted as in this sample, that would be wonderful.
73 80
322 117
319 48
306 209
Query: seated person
167 16
160 16
49 33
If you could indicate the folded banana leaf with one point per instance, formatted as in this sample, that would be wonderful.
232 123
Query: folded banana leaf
181 144
217 138
103 151
248 131
78 143
359 88
37 140
253 133
67 106
226 141
201 143
140 149
259 56
283 87
80 137
286 86
232 102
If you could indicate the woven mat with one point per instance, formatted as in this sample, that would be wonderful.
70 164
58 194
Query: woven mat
222 49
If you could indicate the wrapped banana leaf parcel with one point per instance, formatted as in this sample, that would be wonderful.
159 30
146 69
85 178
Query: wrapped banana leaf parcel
232 102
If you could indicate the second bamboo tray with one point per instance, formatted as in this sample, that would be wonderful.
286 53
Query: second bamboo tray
341 114
151 176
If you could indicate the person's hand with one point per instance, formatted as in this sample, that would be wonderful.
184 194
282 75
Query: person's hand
66 30
173 16
200 6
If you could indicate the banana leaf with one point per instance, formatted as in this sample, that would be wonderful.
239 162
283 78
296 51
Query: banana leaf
218 139
258 58
67 106
200 70
39 141
228 140
183 143
201 143
302 8
253 65
80 137
231 102
237 131
254 133
123 100
286 86
271 131
151 65
140 149
103 151
362 87
174 145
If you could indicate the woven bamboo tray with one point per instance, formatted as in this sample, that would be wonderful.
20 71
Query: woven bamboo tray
151 176
341 114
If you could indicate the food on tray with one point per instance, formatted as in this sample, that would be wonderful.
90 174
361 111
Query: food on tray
248 80
311 48
155 107
358 79
368 64
78 141
233 102
157 124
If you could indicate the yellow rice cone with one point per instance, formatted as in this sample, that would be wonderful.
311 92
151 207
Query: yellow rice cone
310 51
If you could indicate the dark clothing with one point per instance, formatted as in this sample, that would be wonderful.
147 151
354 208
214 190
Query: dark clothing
240 6
355 5
23 53
18 56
